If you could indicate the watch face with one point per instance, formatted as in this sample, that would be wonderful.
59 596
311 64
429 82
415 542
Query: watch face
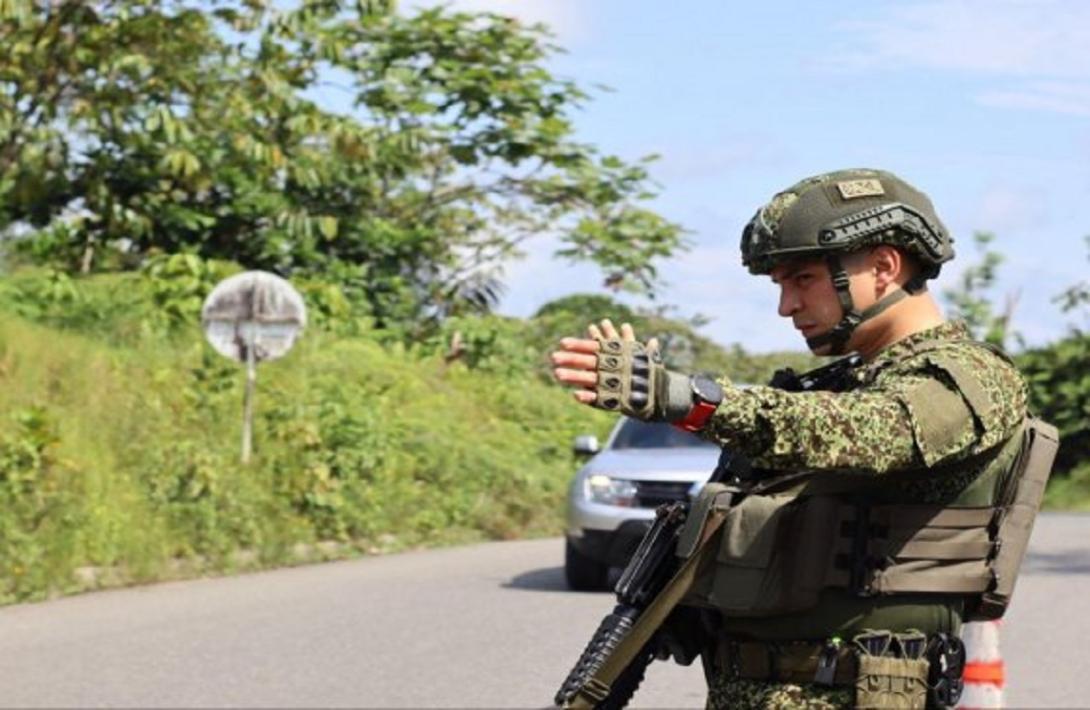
707 389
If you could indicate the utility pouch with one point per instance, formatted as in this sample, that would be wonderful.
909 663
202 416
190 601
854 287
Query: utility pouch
745 573
773 555
887 682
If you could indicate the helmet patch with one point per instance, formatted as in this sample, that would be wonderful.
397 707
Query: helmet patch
851 189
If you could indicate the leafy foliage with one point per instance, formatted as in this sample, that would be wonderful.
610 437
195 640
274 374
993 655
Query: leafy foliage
400 157
1077 296
1059 381
36 489
178 285
512 346
971 301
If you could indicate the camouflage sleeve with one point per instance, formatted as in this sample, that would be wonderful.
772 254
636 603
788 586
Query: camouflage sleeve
936 407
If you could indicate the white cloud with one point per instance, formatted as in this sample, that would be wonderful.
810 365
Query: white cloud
538 277
1041 44
566 18
711 281
1011 209
1058 97
686 160
1000 37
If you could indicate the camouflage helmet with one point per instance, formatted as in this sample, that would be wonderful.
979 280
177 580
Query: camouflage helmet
844 211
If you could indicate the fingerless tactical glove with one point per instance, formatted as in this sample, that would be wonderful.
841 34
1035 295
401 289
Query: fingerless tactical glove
633 381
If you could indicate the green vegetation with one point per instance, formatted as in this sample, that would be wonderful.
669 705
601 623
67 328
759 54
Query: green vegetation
1059 379
971 300
120 447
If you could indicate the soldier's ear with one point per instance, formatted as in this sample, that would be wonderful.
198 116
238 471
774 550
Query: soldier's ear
889 267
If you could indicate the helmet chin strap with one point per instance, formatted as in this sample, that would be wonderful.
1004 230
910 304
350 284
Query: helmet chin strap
837 337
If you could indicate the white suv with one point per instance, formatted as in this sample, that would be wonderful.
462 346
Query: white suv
613 497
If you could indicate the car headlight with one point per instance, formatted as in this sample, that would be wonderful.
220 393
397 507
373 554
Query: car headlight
600 488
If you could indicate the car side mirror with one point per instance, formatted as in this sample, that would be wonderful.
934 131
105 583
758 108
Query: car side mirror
586 445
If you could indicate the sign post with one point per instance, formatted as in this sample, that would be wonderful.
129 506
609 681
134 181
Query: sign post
252 317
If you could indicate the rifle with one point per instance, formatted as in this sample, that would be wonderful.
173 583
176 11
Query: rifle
614 663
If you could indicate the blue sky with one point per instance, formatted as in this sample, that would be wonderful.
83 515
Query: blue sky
983 104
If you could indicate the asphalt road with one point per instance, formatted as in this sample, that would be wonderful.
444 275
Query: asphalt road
484 626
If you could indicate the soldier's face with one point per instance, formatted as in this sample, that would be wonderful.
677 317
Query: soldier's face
808 297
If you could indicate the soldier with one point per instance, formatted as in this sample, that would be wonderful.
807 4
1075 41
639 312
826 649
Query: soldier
928 418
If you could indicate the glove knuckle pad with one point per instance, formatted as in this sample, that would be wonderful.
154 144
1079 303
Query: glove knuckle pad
609 363
609 382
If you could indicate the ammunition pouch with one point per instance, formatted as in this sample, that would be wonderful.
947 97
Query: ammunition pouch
891 682
886 670
777 552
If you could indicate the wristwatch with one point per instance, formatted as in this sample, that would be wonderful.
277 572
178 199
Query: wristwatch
707 394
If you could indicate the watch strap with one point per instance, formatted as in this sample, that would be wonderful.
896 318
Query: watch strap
697 417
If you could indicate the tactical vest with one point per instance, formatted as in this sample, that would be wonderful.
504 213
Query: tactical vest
792 537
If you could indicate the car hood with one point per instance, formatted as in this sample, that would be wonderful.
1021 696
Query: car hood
661 464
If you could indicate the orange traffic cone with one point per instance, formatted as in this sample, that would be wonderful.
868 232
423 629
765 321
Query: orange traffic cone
984 670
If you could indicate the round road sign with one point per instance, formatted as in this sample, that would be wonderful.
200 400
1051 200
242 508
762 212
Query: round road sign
255 315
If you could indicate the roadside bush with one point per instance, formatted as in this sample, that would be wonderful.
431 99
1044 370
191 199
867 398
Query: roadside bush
490 343
1059 381
37 494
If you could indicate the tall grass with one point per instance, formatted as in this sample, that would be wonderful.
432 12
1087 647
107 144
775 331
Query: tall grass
119 448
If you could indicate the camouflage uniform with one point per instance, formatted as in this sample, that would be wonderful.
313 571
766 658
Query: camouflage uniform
892 418
740 694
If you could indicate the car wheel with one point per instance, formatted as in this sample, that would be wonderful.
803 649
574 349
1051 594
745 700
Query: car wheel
584 574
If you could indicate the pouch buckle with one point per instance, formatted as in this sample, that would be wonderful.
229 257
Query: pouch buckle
946 659
827 662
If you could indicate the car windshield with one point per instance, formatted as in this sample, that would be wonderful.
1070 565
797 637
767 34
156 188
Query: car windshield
635 434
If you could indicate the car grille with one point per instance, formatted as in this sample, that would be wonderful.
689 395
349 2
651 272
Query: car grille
651 494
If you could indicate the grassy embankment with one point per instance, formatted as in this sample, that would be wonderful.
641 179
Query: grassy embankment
119 451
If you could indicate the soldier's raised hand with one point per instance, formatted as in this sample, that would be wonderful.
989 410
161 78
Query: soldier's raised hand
612 370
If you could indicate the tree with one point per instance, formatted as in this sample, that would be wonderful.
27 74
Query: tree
403 157
1059 386
970 302
1059 381
1077 296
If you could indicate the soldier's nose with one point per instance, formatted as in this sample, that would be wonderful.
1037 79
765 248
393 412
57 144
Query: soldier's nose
789 303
